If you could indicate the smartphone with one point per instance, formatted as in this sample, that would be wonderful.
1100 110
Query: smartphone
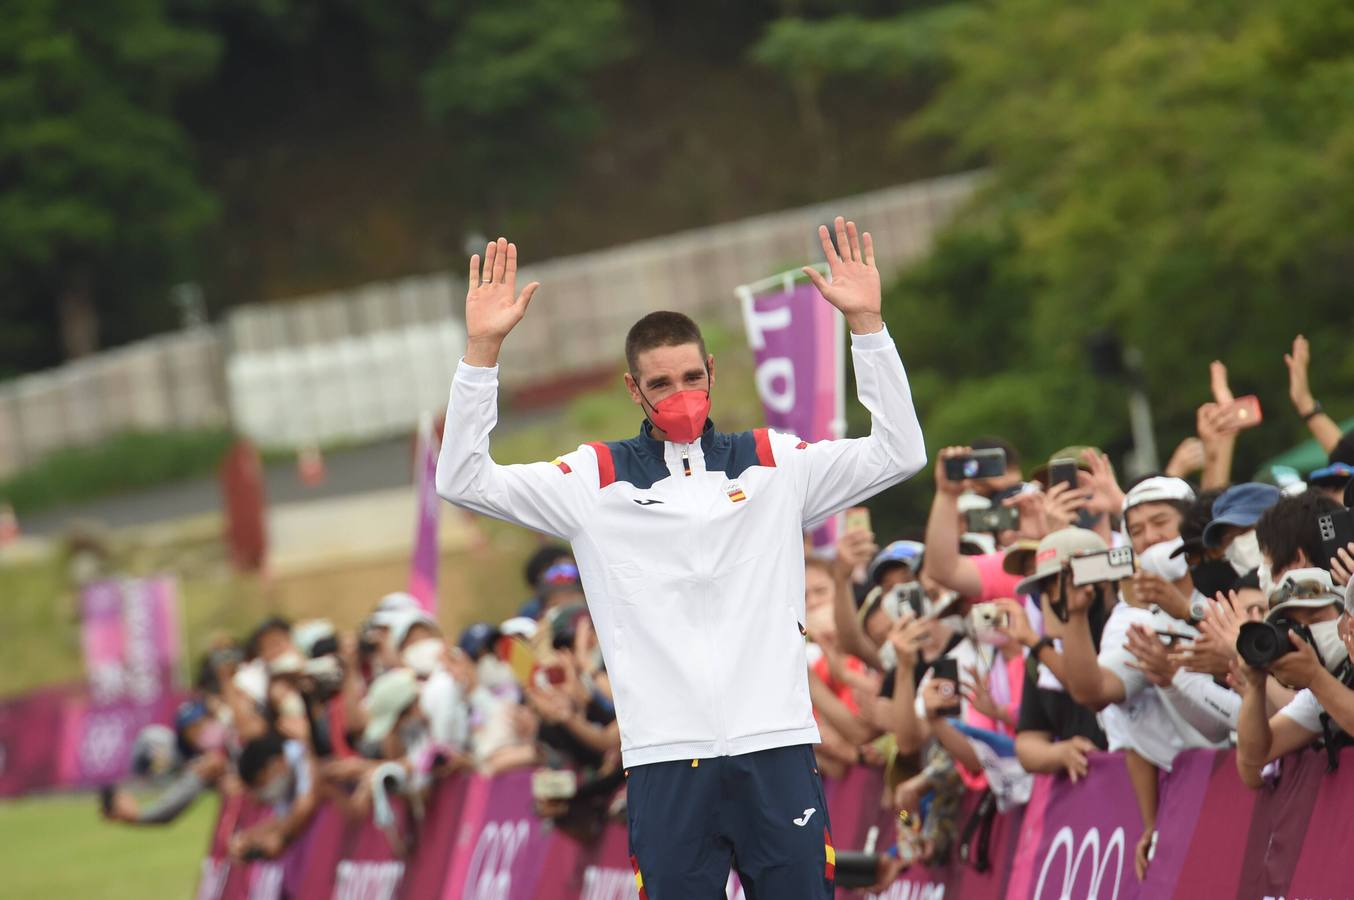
1337 530
947 669
858 519
904 600
986 616
1063 471
998 518
1115 564
978 464
519 656
554 784
1246 411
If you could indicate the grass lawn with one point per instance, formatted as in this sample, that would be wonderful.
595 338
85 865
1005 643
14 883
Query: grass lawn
58 846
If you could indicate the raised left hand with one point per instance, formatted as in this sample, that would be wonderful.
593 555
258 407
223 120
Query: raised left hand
1106 496
854 287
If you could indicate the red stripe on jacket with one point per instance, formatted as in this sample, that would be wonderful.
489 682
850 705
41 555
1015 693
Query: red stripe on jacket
606 466
764 455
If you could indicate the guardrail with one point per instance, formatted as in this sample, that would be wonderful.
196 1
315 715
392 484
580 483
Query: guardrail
328 367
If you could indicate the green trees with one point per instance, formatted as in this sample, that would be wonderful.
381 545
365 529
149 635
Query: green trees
99 199
1177 172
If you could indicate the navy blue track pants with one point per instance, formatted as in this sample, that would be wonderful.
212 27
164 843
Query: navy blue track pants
762 814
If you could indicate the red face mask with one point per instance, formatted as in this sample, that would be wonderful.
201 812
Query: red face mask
682 415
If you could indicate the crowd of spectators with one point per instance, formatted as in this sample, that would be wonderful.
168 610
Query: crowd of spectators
1016 635
301 713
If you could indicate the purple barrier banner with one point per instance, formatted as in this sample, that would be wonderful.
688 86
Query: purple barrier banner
796 338
30 727
130 635
1078 839
480 840
423 568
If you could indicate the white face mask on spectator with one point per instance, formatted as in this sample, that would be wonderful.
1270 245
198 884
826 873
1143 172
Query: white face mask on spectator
425 656
1328 643
1266 579
1244 553
1158 560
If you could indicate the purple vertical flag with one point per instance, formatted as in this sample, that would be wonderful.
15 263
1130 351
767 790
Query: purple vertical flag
423 571
796 338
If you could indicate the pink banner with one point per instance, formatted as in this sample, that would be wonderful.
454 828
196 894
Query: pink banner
480 840
130 634
796 339
423 568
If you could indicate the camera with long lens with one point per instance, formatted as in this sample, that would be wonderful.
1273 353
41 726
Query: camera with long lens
1261 644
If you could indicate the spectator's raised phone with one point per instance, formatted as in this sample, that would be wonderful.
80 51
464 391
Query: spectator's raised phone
1115 564
978 464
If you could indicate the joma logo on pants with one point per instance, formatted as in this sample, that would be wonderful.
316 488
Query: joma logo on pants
1087 854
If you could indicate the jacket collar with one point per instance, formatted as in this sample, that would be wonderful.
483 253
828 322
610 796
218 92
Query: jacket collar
654 446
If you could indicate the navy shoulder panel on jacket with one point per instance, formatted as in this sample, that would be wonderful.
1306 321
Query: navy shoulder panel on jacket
733 454
628 461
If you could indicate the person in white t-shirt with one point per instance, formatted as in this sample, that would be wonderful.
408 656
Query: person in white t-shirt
1134 715
1318 667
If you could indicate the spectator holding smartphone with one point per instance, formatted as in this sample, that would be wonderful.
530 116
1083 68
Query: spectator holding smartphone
978 578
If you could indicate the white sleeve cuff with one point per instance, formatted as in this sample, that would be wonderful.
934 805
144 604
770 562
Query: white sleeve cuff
879 340
476 374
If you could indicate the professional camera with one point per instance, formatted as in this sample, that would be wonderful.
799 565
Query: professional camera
1262 643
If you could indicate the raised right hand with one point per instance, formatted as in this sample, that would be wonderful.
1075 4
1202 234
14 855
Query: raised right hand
1299 389
492 305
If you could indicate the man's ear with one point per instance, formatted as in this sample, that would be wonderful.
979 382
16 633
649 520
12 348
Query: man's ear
1301 561
633 388
710 368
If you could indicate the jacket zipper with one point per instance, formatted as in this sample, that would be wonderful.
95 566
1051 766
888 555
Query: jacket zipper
705 600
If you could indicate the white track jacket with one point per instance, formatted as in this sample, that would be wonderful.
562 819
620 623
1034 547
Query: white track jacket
692 555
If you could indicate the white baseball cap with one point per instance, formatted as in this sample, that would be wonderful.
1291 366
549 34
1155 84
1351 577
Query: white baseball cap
1158 489
393 605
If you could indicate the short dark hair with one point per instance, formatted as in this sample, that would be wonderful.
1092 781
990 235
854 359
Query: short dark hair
256 755
543 559
992 442
1290 525
272 623
661 329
